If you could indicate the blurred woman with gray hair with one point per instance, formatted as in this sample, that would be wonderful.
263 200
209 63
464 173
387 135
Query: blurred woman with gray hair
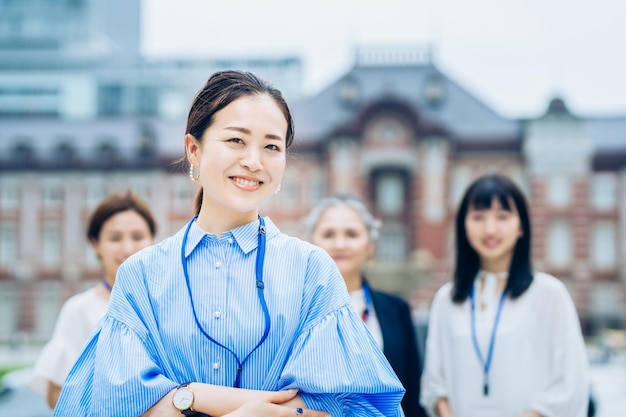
344 227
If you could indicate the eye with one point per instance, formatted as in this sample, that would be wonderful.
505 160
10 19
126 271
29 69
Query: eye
115 238
504 215
476 216
273 147
138 236
328 234
235 140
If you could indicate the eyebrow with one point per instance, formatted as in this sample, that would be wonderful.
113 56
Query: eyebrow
248 132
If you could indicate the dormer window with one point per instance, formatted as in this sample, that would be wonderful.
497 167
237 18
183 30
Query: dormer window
22 151
106 152
64 152
434 91
349 91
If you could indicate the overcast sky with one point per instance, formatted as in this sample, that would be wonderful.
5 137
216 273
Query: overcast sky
512 54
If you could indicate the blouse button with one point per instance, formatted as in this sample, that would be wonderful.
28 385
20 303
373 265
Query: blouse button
217 314
230 240
216 365
218 264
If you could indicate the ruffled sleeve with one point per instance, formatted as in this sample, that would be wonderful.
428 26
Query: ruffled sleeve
569 387
335 362
75 322
123 376
434 384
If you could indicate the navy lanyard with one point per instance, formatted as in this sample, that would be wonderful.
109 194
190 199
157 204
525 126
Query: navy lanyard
260 285
486 364
106 285
368 300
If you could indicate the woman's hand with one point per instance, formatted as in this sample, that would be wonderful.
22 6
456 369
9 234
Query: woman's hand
275 407
443 408
531 413
251 403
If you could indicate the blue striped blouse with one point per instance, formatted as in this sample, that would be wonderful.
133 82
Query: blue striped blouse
149 342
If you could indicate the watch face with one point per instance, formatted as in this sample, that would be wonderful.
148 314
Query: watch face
183 398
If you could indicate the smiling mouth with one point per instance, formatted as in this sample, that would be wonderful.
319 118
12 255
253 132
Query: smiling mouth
246 183
491 244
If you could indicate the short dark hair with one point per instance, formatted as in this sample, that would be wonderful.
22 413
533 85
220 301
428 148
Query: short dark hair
117 203
220 90
480 195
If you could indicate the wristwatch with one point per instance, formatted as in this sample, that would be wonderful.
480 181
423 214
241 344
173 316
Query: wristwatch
183 399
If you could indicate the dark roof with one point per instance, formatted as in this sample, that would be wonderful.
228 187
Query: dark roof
460 113
608 134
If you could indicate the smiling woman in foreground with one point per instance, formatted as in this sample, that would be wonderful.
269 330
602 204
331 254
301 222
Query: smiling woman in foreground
229 316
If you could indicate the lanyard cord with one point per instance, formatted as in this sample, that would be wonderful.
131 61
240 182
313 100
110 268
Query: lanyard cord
260 258
486 364
368 301
106 285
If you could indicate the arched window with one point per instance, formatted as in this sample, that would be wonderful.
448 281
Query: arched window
64 152
22 151
106 152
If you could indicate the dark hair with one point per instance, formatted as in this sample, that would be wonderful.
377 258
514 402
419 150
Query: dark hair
117 203
219 91
480 195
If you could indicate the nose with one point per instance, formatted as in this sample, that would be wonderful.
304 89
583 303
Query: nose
251 159
129 247
490 224
339 242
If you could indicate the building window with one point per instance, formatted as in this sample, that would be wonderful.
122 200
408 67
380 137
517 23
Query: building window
106 152
8 243
434 91
64 152
559 243
147 101
317 187
183 194
9 309
95 192
9 195
603 245
392 245
559 191
110 100
52 196
289 193
51 251
23 151
603 192
390 196
460 181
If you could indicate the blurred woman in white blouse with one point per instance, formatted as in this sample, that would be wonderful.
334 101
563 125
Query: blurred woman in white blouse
503 341
121 225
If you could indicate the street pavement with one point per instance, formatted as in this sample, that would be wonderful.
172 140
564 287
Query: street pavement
608 382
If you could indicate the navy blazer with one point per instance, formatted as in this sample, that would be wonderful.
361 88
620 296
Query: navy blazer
400 347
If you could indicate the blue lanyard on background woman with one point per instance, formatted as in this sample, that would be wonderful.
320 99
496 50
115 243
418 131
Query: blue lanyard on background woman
486 364
260 285
367 294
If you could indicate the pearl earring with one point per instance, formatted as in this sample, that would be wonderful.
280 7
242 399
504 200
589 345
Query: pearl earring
193 177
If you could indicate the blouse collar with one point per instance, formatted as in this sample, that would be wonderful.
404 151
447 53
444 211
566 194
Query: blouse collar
246 236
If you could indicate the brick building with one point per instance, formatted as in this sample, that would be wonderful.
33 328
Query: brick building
80 118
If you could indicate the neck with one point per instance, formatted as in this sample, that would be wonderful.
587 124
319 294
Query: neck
353 281
212 222
497 266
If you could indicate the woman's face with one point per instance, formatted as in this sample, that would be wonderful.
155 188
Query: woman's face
241 157
493 233
121 235
342 233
